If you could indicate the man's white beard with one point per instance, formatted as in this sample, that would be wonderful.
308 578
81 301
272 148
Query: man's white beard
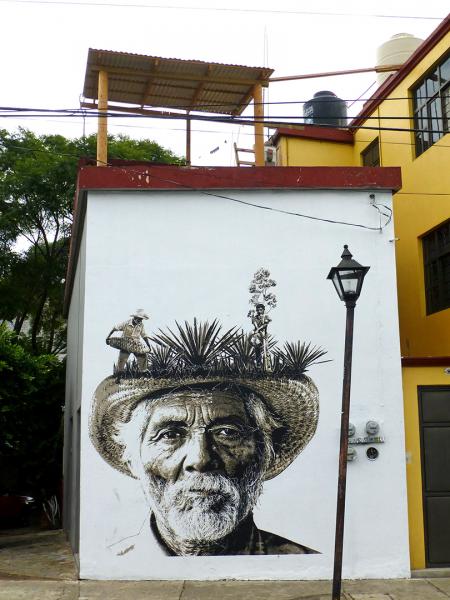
204 508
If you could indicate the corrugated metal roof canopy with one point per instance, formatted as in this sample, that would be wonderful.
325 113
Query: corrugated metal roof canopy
194 85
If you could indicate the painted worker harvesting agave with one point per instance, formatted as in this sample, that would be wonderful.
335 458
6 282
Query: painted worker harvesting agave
130 342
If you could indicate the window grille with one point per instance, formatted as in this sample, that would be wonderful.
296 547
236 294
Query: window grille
436 258
432 106
370 156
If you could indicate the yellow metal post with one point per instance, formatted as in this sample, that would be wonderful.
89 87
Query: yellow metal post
259 127
102 131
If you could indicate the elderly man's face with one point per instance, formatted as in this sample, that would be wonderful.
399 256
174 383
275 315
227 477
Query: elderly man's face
201 459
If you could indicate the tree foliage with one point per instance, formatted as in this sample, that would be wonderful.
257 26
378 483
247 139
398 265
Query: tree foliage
31 402
37 187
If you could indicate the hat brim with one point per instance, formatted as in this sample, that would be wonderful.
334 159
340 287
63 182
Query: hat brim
294 405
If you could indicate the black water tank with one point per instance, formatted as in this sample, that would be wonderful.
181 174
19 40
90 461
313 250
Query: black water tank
325 109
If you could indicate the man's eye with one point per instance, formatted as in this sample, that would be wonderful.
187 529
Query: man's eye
171 434
228 433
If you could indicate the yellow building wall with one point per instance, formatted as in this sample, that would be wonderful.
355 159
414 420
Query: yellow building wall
413 377
307 152
422 204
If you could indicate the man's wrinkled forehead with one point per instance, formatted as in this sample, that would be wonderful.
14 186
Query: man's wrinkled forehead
211 405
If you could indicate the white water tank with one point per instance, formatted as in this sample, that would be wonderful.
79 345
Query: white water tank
395 52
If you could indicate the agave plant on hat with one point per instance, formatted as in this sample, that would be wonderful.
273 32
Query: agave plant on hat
295 359
201 349
243 354
162 360
198 348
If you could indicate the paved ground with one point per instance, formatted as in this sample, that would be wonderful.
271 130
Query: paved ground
38 565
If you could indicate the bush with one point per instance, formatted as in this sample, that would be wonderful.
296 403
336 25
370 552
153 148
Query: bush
31 402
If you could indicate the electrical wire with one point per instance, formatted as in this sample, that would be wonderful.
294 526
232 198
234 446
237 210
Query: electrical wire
234 104
350 103
183 116
240 132
13 112
436 145
269 208
226 9
183 129
243 133
242 121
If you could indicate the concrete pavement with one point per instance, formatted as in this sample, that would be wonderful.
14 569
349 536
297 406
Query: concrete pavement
38 565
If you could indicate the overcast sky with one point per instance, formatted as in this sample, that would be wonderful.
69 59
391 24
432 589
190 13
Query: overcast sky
44 48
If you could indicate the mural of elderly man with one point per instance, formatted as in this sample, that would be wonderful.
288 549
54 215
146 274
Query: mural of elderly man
202 448
131 341
204 428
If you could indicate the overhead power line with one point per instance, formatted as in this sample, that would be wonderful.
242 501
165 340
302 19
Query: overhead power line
193 117
221 132
227 9
272 124
204 106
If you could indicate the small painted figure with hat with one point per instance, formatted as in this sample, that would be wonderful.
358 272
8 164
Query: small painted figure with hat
258 339
260 298
131 341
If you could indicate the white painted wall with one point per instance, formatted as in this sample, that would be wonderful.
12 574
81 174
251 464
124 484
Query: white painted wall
72 408
181 255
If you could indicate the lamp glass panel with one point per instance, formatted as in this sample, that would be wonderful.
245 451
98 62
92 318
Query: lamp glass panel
337 284
350 279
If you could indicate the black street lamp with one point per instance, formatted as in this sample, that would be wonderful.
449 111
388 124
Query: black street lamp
347 278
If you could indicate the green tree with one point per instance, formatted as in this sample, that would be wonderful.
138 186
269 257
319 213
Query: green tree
31 402
37 187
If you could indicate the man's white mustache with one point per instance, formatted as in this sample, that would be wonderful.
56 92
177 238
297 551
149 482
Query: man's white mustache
202 486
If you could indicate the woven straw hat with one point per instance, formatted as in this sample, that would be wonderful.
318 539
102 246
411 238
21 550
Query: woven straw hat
294 405
140 314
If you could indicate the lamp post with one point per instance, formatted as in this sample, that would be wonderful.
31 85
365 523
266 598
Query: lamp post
347 278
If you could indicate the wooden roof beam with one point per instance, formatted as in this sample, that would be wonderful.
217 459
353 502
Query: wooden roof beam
243 103
200 87
150 81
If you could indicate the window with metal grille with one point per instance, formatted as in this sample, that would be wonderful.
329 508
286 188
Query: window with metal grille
436 258
432 106
370 156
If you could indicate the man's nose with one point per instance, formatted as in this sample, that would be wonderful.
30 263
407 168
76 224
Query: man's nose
200 455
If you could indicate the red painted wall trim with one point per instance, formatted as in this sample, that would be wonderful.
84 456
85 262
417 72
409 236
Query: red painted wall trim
141 177
329 134
426 361
390 84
